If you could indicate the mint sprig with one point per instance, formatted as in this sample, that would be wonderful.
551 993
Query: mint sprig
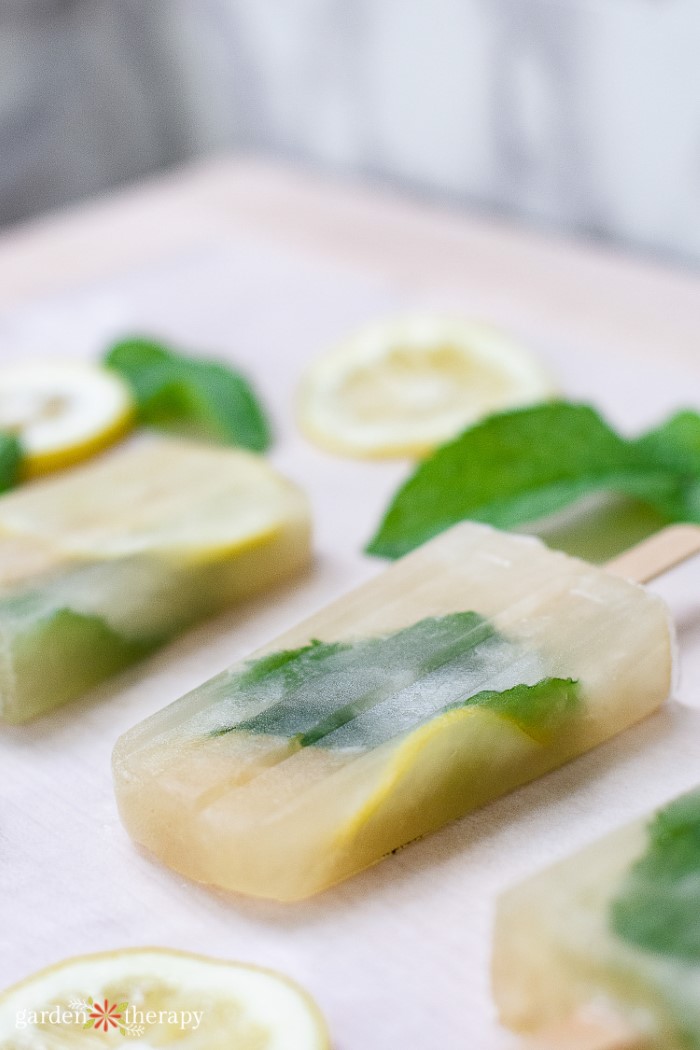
520 466
189 395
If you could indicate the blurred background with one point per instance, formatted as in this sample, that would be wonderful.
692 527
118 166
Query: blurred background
579 115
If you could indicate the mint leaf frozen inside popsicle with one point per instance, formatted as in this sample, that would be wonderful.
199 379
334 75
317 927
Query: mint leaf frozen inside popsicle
658 906
63 654
363 692
539 709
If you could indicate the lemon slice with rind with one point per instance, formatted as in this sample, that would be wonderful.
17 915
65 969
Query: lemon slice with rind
159 997
157 495
463 747
400 388
62 412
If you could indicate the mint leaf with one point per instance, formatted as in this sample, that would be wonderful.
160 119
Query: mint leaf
540 710
519 466
289 667
324 685
658 905
61 655
676 446
10 461
675 443
191 396
362 693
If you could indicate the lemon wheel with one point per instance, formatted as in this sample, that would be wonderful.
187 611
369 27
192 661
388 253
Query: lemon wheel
160 496
163 998
62 412
401 388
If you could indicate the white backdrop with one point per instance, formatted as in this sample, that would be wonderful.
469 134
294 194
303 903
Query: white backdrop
584 114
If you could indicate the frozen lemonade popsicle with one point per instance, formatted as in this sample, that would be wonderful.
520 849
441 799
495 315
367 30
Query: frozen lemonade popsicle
473 665
613 932
101 564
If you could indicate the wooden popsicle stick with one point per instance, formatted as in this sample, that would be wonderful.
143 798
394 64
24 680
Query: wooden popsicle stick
580 1034
657 554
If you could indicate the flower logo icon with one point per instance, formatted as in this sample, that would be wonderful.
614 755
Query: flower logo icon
105 1015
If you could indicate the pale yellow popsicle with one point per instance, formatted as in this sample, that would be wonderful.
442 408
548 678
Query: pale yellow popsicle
612 935
473 665
102 563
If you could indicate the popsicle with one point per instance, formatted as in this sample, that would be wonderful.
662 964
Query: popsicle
102 563
608 942
473 665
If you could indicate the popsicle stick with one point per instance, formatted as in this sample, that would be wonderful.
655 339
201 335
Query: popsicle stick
657 554
578 1034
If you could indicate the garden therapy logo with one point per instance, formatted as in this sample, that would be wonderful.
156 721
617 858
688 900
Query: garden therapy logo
110 1017
106 1016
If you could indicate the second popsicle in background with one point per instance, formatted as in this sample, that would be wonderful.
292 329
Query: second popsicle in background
101 564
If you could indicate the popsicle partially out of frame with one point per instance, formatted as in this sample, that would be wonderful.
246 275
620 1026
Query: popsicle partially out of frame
102 563
475 664
602 951
570 913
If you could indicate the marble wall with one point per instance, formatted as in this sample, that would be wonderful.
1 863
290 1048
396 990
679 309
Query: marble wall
582 114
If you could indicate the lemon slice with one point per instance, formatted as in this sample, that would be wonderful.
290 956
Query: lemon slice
474 753
160 496
401 388
159 998
62 412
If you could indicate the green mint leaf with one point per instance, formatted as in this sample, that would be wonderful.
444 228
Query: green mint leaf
362 693
289 668
61 655
540 710
658 905
10 461
520 466
675 445
190 396
323 685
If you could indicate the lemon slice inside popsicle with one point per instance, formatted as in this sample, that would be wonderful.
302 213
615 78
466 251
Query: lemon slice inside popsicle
62 412
401 388
160 998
